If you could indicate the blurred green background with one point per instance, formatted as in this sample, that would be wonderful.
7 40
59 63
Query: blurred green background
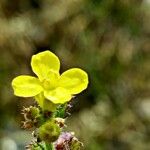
110 39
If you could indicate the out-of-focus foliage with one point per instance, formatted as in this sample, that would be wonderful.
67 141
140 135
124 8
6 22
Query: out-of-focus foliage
110 39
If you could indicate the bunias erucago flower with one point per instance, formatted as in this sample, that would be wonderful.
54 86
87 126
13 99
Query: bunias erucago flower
49 84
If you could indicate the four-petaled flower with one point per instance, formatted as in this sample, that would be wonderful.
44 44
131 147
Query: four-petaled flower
50 84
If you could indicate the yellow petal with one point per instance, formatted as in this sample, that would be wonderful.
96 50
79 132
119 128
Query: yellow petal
43 62
26 86
58 95
75 80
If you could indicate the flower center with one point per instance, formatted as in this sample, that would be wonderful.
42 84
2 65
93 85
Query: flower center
51 80
49 84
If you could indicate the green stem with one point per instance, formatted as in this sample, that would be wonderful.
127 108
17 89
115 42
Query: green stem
49 146
40 146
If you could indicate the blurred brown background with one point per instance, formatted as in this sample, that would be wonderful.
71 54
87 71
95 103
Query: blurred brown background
110 39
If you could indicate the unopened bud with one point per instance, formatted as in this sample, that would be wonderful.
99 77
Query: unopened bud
60 122
49 131
69 141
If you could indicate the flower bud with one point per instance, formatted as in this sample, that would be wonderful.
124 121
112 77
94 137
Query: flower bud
35 112
31 115
69 141
60 122
49 131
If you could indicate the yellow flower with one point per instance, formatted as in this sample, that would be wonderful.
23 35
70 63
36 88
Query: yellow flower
50 84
